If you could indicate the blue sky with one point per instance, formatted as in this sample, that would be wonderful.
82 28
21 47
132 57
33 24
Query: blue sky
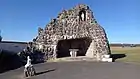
20 19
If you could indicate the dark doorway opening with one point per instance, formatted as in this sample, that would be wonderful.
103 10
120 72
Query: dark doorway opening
81 44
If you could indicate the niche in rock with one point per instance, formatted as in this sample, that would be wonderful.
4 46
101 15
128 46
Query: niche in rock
82 15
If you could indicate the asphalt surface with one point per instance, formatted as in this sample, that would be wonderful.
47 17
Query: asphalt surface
79 70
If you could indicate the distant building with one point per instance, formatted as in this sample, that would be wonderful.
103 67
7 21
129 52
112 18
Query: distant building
12 46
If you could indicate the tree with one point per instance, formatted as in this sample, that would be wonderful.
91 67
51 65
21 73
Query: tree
0 36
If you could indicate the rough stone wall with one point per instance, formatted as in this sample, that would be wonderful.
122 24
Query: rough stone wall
70 24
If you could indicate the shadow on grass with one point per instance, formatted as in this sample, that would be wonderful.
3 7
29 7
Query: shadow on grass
117 56
39 73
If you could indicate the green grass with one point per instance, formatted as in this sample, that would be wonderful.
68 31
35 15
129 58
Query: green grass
132 54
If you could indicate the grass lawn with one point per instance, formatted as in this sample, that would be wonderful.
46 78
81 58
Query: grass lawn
132 54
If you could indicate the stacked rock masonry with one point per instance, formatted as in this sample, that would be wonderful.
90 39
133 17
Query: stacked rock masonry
75 28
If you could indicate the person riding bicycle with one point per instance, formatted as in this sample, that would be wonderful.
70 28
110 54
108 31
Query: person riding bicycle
29 69
28 62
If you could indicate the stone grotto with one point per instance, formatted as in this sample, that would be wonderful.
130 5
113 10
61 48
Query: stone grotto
73 30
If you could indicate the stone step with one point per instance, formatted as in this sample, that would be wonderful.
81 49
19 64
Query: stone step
77 59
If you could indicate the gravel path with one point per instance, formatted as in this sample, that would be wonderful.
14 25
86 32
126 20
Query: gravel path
79 70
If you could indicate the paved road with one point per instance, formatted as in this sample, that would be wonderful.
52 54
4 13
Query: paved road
79 70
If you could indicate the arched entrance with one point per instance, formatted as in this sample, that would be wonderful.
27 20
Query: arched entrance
64 46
